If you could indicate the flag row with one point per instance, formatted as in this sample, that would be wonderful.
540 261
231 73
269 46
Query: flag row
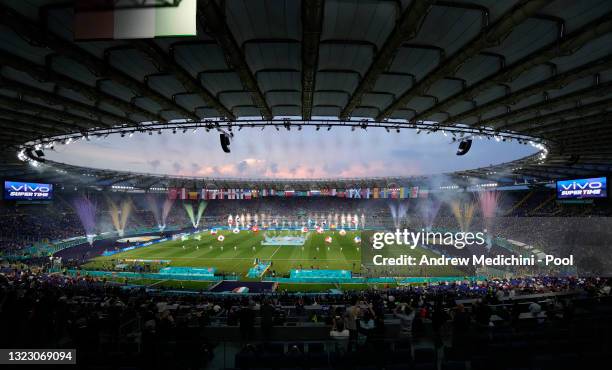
353 193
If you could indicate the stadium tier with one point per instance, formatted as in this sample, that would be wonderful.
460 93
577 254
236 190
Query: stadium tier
306 184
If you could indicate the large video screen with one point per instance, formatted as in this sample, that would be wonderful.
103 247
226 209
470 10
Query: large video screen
582 188
17 190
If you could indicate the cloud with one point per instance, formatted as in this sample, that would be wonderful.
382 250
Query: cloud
154 163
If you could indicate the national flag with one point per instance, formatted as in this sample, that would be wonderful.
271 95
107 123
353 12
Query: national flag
183 194
240 290
173 193
328 239
289 193
118 19
375 193
333 192
402 193
193 195
414 192
247 194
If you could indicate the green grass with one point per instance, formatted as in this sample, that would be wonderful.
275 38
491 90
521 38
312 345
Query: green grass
319 287
240 250
236 254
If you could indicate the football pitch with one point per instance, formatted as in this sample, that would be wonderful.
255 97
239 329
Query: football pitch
237 253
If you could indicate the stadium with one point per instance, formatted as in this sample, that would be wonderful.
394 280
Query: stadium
306 184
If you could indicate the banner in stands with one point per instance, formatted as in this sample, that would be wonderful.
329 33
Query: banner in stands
582 188
17 190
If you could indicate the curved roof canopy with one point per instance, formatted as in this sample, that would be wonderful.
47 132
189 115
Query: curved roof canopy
535 68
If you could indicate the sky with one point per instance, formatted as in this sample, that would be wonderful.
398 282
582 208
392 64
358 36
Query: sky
339 153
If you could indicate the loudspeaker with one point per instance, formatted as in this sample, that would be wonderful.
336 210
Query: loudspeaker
225 142
464 146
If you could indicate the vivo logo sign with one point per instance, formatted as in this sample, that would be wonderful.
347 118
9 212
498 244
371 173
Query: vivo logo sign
582 188
34 188
15 190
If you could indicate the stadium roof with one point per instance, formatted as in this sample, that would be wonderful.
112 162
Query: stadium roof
535 68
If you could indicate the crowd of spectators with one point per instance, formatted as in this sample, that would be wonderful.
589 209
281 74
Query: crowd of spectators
43 310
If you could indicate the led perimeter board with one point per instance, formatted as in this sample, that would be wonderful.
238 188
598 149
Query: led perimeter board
582 188
17 190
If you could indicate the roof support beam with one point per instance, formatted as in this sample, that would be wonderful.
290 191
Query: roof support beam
565 46
501 122
39 123
168 63
55 99
44 74
489 37
312 25
553 83
36 34
19 126
65 119
572 127
405 29
214 21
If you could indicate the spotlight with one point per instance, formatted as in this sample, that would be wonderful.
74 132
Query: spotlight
464 146
225 142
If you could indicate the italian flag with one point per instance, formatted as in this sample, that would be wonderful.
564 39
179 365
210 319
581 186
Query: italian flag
121 19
